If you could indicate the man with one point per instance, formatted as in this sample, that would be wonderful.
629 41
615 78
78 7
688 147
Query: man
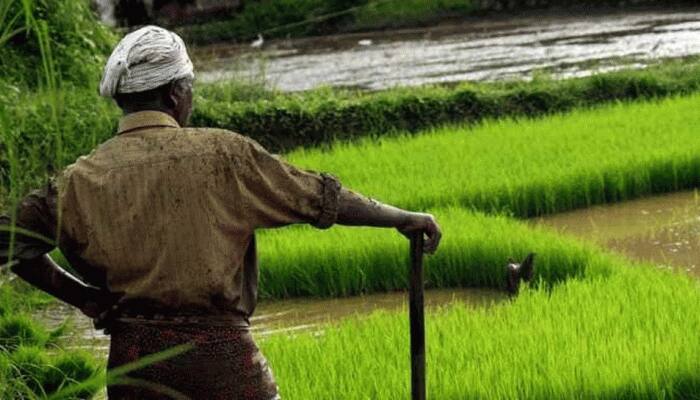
160 220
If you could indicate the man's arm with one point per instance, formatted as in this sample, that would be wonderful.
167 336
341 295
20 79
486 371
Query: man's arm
278 194
43 273
357 210
24 244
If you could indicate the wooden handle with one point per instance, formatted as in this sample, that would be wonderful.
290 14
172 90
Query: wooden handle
416 315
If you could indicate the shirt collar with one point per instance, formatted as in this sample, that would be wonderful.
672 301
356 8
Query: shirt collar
145 119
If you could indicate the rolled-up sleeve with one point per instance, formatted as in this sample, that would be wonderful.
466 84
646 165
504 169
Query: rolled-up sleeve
33 233
277 193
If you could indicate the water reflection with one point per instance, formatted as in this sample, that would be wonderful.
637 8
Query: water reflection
664 229
488 50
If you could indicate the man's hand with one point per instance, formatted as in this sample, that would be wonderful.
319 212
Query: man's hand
355 209
98 301
420 222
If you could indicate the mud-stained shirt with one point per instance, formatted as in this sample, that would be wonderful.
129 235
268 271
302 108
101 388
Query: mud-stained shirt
167 215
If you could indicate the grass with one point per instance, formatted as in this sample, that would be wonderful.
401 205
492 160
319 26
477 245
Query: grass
350 261
32 363
47 129
528 167
283 121
593 326
590 327
630 335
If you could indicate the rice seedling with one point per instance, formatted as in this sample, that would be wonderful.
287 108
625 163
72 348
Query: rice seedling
590 327
350 261
528 167
630 335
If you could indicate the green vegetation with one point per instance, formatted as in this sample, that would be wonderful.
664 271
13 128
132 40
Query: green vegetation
523 168
74 120
275 18
284 121
32 364
50 50
591 326
60 37
350 261
631 335
44 46
528 167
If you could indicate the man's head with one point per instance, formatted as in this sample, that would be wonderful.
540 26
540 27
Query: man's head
150 70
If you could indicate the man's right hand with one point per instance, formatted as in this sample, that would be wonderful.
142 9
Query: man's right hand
426 223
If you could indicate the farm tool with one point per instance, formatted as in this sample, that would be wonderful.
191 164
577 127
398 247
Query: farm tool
416 316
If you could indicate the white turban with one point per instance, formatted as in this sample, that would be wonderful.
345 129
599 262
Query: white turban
145 59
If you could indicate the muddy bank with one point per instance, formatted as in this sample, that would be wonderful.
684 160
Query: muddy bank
285 316
513 48
664 230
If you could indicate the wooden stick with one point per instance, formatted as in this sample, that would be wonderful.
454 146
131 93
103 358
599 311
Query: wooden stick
416 316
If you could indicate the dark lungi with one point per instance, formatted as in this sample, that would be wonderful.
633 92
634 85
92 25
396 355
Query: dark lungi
223 363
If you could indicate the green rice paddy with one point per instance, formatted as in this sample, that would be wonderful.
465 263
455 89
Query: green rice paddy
348 261
528 167
630 335
592 326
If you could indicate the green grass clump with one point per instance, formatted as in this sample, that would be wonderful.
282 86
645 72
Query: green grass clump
350 261
631 335
33 365
528 167
33 373
19 329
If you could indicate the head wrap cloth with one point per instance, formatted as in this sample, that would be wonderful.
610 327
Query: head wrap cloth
145 59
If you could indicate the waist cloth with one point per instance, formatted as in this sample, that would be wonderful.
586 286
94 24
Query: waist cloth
223 362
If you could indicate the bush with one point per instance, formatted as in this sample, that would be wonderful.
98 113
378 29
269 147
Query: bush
77 42
310 119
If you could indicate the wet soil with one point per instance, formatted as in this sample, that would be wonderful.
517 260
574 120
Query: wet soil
474 50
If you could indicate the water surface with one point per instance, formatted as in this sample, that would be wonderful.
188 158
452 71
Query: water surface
664 230
475 50
287 316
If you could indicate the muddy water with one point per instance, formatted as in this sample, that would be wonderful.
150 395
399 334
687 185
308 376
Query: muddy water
476 50
664 230
288 316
